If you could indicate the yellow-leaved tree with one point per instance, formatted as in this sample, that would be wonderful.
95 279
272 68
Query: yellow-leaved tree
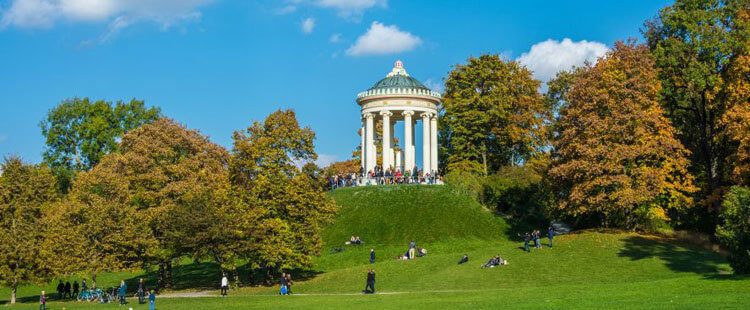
616 160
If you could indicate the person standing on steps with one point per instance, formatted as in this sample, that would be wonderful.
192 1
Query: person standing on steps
370 286
224 285
372 256
550 235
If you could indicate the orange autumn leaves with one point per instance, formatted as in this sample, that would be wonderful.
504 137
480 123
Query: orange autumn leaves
616 157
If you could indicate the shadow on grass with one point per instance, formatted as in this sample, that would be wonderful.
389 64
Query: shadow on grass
677 257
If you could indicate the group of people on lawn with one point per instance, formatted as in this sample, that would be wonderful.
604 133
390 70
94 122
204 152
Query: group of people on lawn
536 237
68 291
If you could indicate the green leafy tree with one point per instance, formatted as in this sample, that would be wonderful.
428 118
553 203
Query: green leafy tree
79 132
282 208
694 43
25 191
616 161
734 230
493 115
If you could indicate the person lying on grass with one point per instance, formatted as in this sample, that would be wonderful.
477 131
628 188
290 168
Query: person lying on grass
495 261
464 259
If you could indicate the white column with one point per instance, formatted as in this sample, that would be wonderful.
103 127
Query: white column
408 141
386 139
434 144
426 142
397 155
362 147
392 153
370 142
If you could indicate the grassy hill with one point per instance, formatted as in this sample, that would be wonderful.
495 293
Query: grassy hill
590 269
394 215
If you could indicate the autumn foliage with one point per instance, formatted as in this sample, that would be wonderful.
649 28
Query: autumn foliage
616 160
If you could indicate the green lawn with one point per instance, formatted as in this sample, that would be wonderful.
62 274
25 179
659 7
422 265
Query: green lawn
584 270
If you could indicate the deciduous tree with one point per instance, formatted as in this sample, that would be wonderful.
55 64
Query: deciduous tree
282 209
25 191
493 114
694 43
79 132
616 160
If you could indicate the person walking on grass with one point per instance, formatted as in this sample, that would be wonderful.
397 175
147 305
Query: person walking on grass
141 291
75 289
288 283
372 256
370 286
122 291
151 300
550 235
526 240
224 285
60 290
43 301
67 291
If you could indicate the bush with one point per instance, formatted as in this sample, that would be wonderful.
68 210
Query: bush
516 191
734 231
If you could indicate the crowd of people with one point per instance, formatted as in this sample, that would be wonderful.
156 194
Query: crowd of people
379 176
67 291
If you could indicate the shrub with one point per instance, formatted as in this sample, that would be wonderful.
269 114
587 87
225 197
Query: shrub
734 231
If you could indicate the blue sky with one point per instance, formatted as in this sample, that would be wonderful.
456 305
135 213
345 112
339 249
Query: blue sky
217 65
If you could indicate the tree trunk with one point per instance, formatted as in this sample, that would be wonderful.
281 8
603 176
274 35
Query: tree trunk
484 161
164 279
13 293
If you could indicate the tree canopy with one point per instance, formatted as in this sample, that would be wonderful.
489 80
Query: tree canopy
79 132
286 206
493 115
25 191
616 160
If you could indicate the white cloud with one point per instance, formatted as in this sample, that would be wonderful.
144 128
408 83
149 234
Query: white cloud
351 8
308 25
286 9
335 38
381 40
117 13
548 57
435 86
325 159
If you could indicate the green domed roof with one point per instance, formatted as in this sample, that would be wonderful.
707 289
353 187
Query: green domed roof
398 81
398 78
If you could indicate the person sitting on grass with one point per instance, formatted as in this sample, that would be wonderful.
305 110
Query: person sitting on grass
464 259
422 252
357 240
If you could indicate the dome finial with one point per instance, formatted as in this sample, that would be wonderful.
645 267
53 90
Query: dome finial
398 69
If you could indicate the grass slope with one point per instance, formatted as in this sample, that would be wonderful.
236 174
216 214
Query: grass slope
391 215
589 270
